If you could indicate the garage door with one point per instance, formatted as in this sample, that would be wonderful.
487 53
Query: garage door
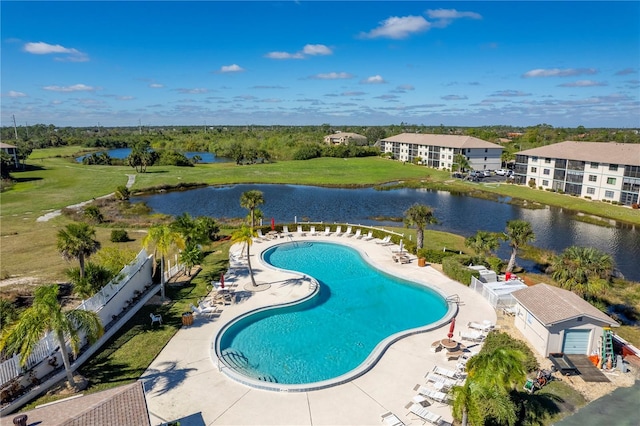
576 342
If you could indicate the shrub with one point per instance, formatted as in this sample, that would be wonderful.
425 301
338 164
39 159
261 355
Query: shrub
540 188
434 256
119 236
532 183
635 206
93 213
455 267
499 340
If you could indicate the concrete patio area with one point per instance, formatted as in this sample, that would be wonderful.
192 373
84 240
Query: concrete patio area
185 382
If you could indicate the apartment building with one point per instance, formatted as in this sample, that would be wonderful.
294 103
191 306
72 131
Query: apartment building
596 170
438 151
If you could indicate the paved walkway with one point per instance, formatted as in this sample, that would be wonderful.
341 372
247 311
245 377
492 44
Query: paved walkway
184 381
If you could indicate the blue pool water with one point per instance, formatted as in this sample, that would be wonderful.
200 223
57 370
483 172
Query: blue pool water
334 332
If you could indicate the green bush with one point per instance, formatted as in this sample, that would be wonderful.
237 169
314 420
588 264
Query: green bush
495 264
119 236
499 340
456 268
434 256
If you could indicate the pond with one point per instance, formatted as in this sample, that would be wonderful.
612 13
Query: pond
122 153
554 229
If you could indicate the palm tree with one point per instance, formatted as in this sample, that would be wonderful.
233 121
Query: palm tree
191 256
518 233
583 270
76 241
462 162
420 216
45 315
245 235
96 277
162 238
483 242
250 200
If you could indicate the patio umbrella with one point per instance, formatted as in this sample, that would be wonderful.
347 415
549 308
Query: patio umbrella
451 328
221 280
273 224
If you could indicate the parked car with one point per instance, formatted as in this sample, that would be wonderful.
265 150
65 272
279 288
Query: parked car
486 173
502 172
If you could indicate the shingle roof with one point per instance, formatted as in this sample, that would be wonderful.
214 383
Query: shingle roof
346 135
597 152
6 145
449 141
551 305
124 405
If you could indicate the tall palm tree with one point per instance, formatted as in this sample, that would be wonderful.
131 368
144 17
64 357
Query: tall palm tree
162 238
483 242
96 277
76 241
250 200
245 235
583 270
45 315
518 233
420 216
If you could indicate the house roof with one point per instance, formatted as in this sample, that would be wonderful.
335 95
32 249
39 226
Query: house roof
346 135
449 141
124 405
597 152
6 145
551 305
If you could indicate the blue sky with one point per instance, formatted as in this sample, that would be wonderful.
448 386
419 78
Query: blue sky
475 63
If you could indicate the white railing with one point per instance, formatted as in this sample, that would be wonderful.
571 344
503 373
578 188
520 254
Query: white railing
10 369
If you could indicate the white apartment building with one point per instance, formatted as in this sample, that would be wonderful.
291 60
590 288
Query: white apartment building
438 151
596 170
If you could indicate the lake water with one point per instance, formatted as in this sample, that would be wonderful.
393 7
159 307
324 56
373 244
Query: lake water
463 215
122 153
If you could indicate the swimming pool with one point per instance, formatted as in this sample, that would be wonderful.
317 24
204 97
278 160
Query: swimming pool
333 333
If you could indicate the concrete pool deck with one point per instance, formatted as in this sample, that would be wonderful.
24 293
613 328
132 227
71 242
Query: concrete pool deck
184 381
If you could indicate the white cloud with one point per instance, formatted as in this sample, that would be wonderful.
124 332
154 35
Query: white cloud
194 91
374 79
558 72
231 68
284 55
510 93
156 85
316 49
332 76
450 14
583 83
453 98
73 88
399 27
14 94
42 48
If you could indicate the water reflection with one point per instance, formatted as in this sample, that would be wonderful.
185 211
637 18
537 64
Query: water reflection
462 215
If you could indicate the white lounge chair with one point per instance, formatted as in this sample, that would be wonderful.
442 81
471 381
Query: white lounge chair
358 234
313 232
339 231
434 395
391 419
285 231
385 240
260 236
327 231
482 326
472 335
442 382
300 231
204 310
348 232
425 414
369 236
445 372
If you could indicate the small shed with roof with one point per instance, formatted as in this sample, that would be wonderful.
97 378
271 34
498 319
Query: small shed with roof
555 320
345 138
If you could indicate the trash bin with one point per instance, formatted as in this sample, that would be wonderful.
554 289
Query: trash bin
20 420
187 318
422 262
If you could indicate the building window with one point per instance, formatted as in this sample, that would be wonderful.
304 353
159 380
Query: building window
591 191
535 159
593 178
611 181
449 157
547 160
485 158
608 194
595 165
545 183
534 169
546 171
613 167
